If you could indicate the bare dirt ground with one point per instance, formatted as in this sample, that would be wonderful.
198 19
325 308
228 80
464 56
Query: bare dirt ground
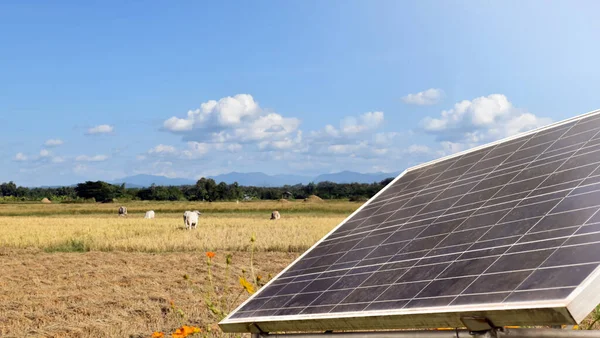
116 294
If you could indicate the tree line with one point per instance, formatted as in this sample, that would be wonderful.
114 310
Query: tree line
204 190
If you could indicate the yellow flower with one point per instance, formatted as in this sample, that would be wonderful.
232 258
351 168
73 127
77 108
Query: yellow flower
191 329
158 335
247 285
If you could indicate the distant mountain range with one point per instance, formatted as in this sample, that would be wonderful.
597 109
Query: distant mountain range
142 181
258 179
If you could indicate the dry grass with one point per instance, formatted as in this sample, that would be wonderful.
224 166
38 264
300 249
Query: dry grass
139 207
116 294
165 233
57 281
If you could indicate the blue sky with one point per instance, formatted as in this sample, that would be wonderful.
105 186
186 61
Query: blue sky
188 89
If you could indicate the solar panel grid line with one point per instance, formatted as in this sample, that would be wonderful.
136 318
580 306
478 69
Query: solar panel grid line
554 251
518 182
506 196
365 304
390 216
541 231
596 133
383 205
594 114
438 194
408 201
541 144
525 142
473 164
422 290
509 222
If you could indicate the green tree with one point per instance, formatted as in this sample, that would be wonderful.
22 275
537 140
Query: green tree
99 190
8 189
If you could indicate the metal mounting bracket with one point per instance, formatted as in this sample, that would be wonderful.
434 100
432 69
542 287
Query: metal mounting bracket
255 330
480 326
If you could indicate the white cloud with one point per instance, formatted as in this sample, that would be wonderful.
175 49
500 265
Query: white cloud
44 153
357 137
80 168
237 119
417 149
95 158
228 111
54 142
351 127
424 98
365 122
385 139
481 120
196 150
231 147
287 143
20 157
58 159
101 129
163 149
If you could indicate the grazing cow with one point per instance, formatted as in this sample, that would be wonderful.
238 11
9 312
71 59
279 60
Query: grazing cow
149 214
275 215
185 215
122 211
191 219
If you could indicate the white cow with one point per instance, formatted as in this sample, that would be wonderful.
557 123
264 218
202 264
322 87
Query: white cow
149 214
122 211
190 219
275 215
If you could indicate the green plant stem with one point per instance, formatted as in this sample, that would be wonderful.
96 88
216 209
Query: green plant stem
252 262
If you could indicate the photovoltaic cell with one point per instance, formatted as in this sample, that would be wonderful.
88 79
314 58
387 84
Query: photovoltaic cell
513 222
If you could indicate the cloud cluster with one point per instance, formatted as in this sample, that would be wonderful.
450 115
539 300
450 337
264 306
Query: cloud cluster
236 130
94 158
194 150
481 120
231 121
424 98
53 143
20 157
101 129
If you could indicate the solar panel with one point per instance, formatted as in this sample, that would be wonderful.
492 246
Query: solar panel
509 231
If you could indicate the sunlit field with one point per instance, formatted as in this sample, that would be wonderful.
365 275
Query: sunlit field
222 226
137 208
293 233
80 270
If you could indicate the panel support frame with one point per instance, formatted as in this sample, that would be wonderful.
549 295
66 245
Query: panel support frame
493 333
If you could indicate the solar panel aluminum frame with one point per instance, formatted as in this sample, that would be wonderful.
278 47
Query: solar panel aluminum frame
568 311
